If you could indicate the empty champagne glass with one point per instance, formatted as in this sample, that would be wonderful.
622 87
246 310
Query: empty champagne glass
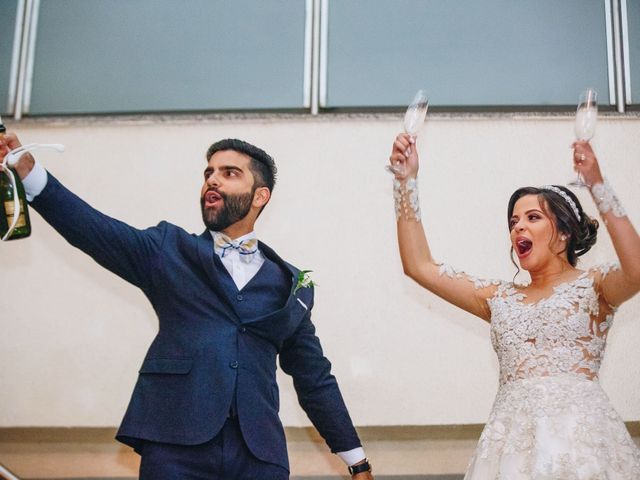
413 120
585 126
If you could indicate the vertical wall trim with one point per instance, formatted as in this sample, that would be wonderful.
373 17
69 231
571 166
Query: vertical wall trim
617 47
27 47
611 68
324 44
15 57
28 79
626 52
315 67
308 54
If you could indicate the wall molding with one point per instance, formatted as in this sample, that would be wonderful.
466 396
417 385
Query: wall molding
294 434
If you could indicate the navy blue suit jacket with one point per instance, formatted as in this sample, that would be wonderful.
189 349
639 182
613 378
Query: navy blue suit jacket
204 352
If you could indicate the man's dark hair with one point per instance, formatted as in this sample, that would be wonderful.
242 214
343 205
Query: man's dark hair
262 165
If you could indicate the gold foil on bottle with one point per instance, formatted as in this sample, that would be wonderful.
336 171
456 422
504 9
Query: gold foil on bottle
9 208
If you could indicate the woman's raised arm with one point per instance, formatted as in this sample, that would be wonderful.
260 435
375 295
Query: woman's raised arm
458 288
618 285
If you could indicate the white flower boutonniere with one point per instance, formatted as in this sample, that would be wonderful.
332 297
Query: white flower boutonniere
304 280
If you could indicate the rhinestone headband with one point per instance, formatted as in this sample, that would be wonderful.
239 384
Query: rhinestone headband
566 197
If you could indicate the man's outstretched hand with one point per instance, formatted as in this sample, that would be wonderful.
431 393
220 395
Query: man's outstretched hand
9 141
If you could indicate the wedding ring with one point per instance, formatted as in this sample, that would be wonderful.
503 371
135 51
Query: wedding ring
582 157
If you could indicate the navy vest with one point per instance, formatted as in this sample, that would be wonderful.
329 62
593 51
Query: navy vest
266 292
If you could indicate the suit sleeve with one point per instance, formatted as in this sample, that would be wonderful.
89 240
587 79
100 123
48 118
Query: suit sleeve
124 250
318 393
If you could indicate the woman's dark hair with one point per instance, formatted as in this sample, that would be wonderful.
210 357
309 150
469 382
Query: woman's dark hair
581 234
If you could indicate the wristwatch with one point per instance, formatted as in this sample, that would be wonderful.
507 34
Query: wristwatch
361 467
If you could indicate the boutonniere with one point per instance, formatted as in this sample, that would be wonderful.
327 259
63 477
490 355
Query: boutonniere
304 280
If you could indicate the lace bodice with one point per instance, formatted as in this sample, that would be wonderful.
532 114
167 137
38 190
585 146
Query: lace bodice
549 420
564 333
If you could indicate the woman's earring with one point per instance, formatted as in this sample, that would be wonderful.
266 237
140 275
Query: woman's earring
563 238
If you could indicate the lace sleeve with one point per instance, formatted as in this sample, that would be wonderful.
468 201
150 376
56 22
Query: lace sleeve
605 268
478 283
600 272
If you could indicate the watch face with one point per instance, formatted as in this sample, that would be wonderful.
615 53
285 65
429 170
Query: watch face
363 467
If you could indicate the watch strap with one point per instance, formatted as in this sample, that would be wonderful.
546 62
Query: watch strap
361 467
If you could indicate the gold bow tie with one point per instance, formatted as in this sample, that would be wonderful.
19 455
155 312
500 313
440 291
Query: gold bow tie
246 248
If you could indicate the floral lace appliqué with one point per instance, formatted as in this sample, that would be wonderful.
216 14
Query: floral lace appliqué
551 419
560 334
478 283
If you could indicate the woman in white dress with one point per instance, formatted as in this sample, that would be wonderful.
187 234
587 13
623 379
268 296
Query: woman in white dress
551 420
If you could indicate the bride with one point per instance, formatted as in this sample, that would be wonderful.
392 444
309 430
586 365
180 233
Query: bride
551 420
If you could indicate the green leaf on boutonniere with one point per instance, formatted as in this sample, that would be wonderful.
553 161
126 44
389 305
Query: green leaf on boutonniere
304 280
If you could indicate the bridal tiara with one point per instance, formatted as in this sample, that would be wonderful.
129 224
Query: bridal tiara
566 197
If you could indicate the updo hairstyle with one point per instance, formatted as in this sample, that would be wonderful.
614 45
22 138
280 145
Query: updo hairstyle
581 234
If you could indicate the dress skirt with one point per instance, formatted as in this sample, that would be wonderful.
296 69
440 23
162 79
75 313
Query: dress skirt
554 428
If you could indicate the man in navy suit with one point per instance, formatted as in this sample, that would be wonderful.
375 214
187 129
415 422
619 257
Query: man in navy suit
206 402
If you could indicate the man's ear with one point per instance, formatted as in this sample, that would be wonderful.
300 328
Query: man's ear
261 197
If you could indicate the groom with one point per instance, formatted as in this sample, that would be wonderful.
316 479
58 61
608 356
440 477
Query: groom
206 402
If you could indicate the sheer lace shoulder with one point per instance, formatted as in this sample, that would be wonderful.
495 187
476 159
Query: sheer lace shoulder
478 282
605 268
599 273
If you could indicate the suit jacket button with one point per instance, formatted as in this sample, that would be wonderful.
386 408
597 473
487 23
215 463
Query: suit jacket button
242 329
239 297
234 364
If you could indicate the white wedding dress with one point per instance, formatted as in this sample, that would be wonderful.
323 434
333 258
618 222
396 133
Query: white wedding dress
551 420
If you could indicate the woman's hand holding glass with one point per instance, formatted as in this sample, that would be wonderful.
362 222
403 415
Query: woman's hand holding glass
404 154
413 120
586 163
585 125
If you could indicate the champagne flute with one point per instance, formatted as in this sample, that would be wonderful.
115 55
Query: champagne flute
585 126
413 120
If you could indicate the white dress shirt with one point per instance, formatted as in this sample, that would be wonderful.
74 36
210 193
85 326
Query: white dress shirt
35 182
241 271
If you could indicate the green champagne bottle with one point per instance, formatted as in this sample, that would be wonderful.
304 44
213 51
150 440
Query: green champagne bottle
7 198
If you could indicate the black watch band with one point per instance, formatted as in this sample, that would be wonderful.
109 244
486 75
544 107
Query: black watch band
361 467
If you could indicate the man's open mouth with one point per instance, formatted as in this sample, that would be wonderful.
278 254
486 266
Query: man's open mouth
523 246
211 198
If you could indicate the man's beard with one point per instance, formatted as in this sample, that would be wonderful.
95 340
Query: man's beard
235 208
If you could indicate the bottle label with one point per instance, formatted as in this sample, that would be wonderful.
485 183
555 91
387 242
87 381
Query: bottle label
9 208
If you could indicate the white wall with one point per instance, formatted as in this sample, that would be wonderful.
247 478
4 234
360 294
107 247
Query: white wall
73 335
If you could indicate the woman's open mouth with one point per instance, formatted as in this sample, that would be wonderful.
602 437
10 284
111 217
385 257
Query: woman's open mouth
523 246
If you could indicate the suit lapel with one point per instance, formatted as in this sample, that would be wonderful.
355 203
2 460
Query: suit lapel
268 252
291 302
216 275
